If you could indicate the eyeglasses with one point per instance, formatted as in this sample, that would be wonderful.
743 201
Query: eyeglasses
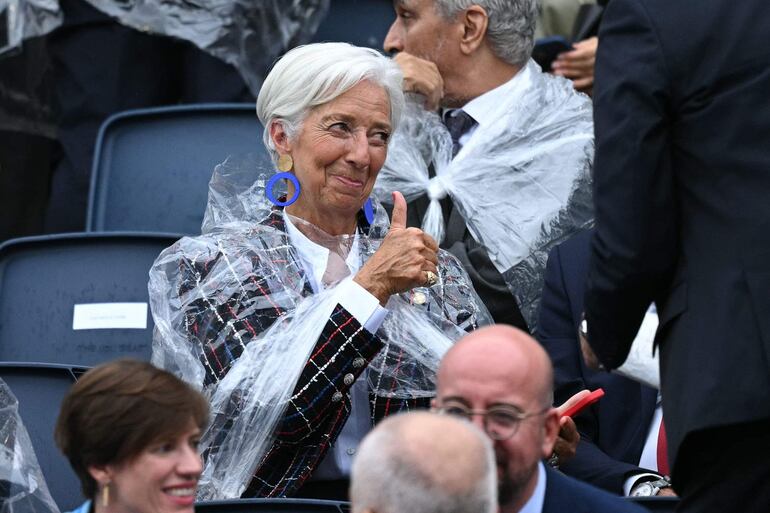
500 422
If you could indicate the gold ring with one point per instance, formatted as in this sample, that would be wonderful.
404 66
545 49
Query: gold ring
430 278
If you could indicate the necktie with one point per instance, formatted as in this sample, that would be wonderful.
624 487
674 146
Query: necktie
458 123
662 451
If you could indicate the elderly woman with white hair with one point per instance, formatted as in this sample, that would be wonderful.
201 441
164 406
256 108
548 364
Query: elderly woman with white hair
306 327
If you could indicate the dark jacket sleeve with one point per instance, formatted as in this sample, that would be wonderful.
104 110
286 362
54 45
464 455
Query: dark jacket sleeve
635 246
557 332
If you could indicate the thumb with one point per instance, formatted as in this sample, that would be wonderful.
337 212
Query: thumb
398 218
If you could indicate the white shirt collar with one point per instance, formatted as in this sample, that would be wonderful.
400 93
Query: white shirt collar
485 108
535 502
314 257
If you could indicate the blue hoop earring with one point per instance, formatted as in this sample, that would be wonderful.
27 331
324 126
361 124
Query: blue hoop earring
271 184
369 211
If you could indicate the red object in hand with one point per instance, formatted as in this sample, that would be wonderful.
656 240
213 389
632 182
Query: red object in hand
584 403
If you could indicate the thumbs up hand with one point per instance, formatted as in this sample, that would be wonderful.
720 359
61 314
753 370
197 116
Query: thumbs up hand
403 260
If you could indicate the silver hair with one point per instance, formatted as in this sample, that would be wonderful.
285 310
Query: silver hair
511 30
314 74
386 478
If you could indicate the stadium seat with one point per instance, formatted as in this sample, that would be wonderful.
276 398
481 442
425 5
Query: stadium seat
360 22
42 279
40 389
272 506
152 166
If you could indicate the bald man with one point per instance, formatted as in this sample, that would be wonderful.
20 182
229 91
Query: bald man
422 462
502 380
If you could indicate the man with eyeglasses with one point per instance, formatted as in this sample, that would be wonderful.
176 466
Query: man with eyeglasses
501 379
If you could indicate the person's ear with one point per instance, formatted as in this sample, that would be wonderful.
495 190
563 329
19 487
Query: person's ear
551 428
101 473
280 137
475 22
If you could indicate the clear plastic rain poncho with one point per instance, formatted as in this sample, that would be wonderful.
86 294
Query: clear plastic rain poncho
522 182
24 19
22 487
237 315
249 34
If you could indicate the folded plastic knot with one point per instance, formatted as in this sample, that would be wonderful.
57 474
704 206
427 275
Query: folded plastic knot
436 188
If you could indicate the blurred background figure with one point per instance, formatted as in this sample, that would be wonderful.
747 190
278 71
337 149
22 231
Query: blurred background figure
131 432
424 463
566 39
101 67
28 146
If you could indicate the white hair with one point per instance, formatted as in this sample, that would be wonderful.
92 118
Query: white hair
314 74
511 30
390 476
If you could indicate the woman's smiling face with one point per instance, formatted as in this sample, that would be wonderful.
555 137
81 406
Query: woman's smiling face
338 152
161 479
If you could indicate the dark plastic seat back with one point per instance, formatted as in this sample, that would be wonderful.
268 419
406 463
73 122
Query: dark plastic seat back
272 506
40 389
43 278
360 22
152 166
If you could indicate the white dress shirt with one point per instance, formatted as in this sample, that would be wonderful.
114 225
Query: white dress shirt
484 108
649 457
535 502
367 310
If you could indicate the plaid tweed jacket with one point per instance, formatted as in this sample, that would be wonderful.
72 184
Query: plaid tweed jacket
318 408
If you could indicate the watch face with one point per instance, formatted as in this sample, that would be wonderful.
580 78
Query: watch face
584 327
643 490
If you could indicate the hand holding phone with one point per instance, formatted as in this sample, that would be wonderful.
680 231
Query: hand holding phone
584 403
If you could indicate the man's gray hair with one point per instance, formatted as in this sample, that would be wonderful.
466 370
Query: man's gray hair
511 30
314 74
392 475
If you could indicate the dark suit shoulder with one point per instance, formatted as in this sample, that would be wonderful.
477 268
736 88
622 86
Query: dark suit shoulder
563 493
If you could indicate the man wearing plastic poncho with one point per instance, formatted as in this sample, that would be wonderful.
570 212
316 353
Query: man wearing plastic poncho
510 178
305 324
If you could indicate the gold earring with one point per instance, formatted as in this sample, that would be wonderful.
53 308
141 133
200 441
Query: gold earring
285 163
106 495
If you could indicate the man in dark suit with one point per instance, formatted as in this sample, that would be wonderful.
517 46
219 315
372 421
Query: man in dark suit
682 181
614 431
501 379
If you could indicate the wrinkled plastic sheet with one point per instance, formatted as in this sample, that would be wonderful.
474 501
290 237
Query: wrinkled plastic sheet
233 265
522 182
249 34
25 19
22 487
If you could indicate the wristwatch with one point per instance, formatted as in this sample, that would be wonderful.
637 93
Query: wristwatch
649 488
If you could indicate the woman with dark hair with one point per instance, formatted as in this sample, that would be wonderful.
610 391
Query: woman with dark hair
131 432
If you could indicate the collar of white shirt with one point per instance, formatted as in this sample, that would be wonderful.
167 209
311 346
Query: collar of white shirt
535 502
485 108
314 256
